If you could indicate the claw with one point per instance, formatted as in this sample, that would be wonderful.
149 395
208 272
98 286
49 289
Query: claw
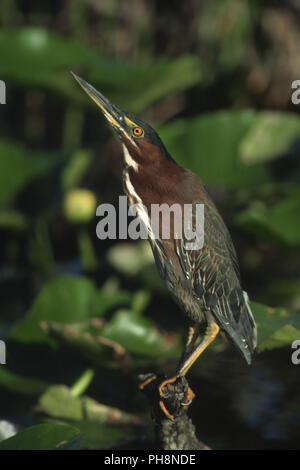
147 381
165 392
189 397
165 411
190 394
164 383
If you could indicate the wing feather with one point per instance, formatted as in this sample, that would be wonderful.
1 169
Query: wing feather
215 276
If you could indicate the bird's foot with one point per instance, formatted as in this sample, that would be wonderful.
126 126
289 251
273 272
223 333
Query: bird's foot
170 389
167 388
147 380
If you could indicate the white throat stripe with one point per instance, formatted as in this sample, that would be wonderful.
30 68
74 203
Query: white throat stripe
129 160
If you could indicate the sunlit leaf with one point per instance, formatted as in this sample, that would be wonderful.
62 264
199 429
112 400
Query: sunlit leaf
130 259
87 338
269 137
138 335
58 401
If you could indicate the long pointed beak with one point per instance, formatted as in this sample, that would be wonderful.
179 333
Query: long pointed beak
113 114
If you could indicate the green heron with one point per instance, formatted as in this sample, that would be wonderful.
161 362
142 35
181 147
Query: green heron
206 282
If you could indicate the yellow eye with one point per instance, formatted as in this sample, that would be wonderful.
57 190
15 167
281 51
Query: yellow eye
138 132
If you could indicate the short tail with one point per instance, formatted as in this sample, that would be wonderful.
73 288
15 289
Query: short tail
242 328
247 332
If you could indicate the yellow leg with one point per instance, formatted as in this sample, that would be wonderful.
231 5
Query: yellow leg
193 334
189 356
210 334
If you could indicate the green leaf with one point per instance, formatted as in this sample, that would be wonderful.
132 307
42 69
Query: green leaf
208 145
20 384
141 301
138 335
13 219
44 437
101 436
269 137
66 299
139 86
82 383
280 222
87 338
34 55
37 57
225 28
58 402
277 327
18 167
284 292
75 167
130 259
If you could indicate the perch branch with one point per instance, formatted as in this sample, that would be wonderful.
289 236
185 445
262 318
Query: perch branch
177 433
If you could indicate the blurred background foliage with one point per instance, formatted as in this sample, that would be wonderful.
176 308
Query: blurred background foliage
82 317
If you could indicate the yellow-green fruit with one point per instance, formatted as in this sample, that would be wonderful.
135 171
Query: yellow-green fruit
80 205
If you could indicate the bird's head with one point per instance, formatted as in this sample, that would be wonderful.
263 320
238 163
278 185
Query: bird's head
140 142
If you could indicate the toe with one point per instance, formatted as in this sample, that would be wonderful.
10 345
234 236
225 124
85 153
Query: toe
163 393
147 381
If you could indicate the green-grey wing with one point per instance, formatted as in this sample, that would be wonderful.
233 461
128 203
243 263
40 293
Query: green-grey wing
214 273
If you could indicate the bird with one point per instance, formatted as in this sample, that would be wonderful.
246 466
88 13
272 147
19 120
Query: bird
205 282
